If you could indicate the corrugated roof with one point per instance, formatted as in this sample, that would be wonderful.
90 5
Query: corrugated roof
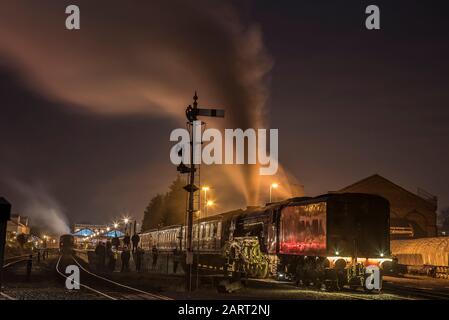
431 251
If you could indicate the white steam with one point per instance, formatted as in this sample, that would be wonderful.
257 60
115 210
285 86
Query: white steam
42 209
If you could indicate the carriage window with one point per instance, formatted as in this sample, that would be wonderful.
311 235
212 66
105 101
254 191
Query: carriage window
219 229
203 231
213 230
207 230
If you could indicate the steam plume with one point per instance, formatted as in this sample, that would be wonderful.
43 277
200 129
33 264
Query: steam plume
41 207
142 57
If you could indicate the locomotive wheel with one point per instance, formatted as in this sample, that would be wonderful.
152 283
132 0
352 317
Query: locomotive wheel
356 283
331 285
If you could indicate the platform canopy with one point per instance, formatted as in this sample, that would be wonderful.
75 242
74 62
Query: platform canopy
83 233
114 233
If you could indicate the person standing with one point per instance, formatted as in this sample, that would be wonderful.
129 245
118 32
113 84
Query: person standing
139 257
155 254
175 260
135 239
126 240
116 242
111 257
125 259
100 252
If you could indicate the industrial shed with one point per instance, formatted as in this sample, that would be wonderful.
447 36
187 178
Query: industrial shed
430 253
413 215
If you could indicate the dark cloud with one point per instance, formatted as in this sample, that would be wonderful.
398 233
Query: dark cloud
138 57
93 128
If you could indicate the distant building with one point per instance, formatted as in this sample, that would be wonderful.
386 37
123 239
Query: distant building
17 225
411 215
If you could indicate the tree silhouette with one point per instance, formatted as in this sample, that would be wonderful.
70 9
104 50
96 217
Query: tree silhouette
153 214
168 209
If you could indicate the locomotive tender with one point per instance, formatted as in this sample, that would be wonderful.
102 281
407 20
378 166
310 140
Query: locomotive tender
326 240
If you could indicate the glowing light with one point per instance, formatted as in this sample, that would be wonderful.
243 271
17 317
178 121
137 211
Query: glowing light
115 225
209 203
205 188
274 185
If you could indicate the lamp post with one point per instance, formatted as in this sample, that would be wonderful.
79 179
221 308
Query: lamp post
273 186
126 221
209 203
205 189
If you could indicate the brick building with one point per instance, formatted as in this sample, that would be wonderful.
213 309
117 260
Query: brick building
412 215
17 225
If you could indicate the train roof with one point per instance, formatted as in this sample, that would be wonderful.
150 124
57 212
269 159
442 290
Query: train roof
254 210
330 196
162 228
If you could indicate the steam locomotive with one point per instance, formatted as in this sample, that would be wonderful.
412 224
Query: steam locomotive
327 240
66 244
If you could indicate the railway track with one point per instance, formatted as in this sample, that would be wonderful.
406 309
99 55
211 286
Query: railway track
417 293
107 288
14 260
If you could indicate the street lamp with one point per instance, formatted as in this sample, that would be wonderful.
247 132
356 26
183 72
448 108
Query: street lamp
209 203
205 189
273 186
126 221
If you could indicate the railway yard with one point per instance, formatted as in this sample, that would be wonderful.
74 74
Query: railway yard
47 282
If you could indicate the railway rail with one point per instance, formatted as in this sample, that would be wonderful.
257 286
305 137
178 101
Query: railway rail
12 261
418 293
108 288
8 262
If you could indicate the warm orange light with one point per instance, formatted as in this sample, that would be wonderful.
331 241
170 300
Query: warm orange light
274 185
210 203
205 188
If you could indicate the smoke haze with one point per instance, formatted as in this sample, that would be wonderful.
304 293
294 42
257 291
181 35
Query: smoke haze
41 207
145 62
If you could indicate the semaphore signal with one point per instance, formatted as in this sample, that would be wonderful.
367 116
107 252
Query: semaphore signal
192 113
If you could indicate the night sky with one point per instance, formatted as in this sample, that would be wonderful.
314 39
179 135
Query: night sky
86 115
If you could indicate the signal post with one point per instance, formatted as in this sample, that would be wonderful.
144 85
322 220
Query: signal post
192 113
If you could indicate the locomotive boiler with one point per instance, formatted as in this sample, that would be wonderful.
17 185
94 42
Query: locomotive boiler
327 240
